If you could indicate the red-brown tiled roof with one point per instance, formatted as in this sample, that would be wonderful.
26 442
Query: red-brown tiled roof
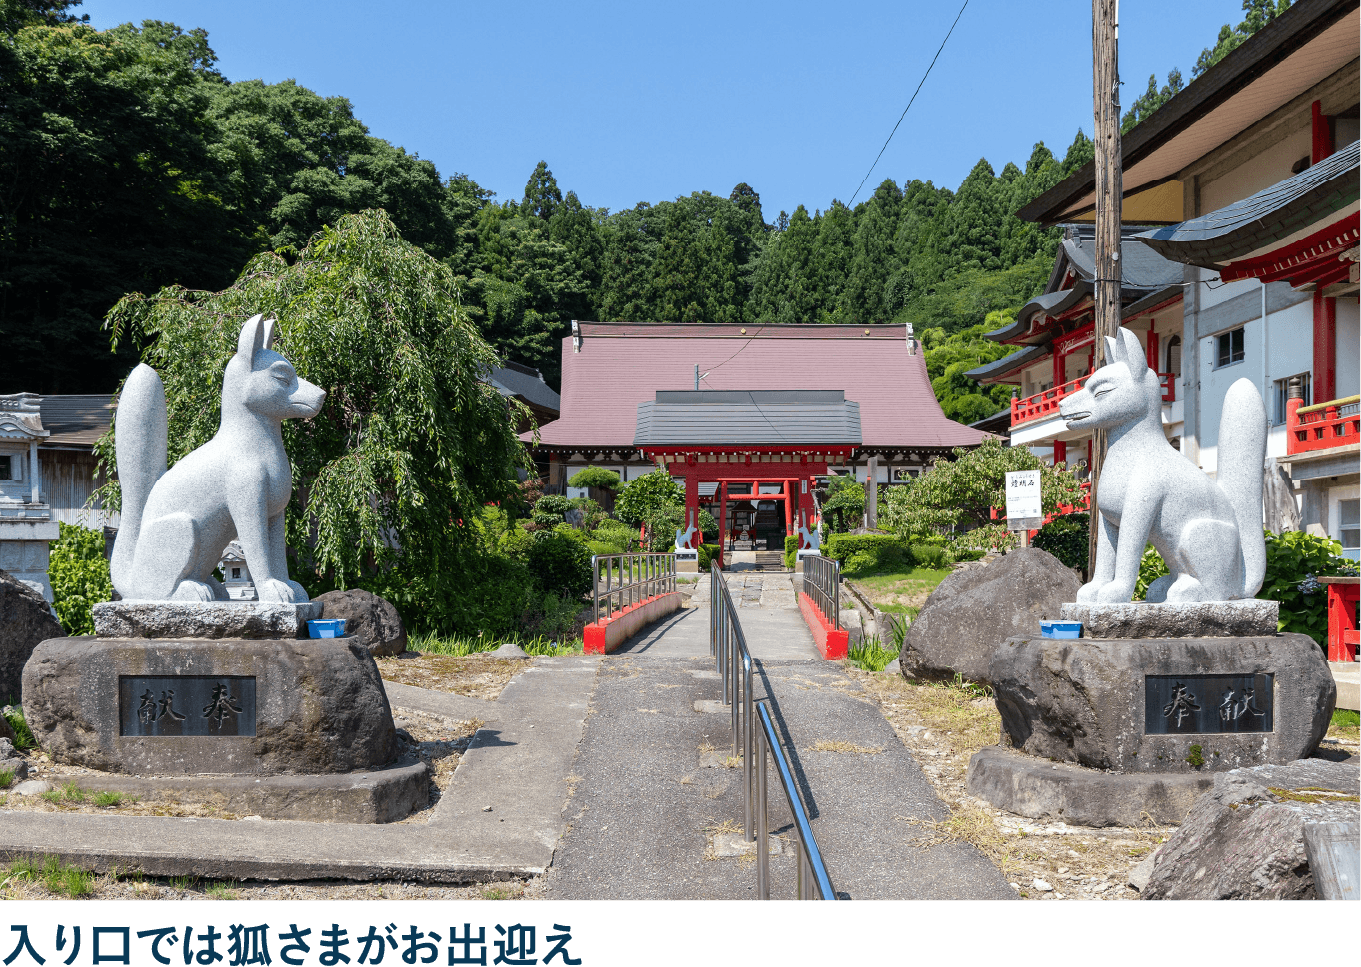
623 364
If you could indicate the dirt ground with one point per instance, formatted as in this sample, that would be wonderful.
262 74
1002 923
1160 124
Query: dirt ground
476 676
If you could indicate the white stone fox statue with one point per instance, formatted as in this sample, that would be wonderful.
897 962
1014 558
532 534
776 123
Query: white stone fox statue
1208 531
234 487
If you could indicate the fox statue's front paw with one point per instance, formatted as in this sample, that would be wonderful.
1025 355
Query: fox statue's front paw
286 592
1087 594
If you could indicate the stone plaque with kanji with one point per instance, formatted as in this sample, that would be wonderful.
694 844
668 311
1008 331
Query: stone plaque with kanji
212 705
1207 704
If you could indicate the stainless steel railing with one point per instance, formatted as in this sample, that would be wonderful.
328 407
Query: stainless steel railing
631 578
813 882
822 582
754 739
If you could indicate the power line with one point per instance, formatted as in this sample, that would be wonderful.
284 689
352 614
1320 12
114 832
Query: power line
909 105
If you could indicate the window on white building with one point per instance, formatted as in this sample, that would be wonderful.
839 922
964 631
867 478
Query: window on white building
1229 347
1283 397
6 467
1174 356
1349 527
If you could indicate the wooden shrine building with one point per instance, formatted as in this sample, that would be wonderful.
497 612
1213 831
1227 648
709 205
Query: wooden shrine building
747 418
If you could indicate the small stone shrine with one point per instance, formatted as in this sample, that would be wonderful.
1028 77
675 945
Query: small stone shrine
182 681
1135 717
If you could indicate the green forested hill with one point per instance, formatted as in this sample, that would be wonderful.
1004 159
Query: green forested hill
128 162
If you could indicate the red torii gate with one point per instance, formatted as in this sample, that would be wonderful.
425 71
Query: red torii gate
792 467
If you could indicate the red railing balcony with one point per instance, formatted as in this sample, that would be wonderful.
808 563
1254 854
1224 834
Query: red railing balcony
1323 426
1046 402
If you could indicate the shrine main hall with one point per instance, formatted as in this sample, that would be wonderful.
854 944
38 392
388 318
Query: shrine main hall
749 418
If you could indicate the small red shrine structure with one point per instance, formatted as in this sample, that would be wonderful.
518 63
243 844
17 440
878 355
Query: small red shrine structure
755 446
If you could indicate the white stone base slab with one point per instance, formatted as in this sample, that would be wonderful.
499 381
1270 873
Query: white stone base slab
207 619
1201 619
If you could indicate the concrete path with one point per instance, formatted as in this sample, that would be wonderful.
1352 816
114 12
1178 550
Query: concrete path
657 804
519 766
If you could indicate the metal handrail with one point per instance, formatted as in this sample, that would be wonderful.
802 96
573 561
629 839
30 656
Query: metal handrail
728 647
812 872
822 582
641 575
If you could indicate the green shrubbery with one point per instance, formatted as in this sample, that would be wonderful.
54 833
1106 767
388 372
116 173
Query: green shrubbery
1294 562
643 495
79 575
1066 537
595 477
841 546
561 561
791 550
931 555
707 553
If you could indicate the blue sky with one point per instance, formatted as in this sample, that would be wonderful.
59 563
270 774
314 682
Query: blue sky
644 101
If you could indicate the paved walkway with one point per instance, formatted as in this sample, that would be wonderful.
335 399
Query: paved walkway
656 803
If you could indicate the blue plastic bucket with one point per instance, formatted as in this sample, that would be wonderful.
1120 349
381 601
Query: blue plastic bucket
326 628
1060 629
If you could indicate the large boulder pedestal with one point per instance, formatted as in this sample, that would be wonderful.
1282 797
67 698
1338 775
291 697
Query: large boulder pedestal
975 609
1103 731
287 728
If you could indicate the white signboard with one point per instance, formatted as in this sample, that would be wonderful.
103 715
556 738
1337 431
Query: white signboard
1023 499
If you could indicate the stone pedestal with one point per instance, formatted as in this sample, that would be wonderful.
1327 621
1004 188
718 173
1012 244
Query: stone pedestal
1144 717
203 619
281 728
227 706
1203 619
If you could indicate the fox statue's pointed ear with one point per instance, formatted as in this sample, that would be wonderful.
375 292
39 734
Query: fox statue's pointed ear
1113 351
269 333
1131 352
251 340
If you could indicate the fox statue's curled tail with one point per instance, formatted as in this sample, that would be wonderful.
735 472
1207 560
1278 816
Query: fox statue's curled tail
1241 456
139 439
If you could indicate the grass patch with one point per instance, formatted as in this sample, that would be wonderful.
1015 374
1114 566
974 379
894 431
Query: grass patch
900 591
222 891
23 735
503 893
69 793
871 655
460 646
823 745
112 798
183 882
6 778
56 876
1346 724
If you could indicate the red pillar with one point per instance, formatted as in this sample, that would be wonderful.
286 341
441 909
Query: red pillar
1321 145
1152 347
789 506
1058 369
1060 452
1325 347
692 504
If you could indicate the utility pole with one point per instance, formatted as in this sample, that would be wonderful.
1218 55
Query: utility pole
1106 108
